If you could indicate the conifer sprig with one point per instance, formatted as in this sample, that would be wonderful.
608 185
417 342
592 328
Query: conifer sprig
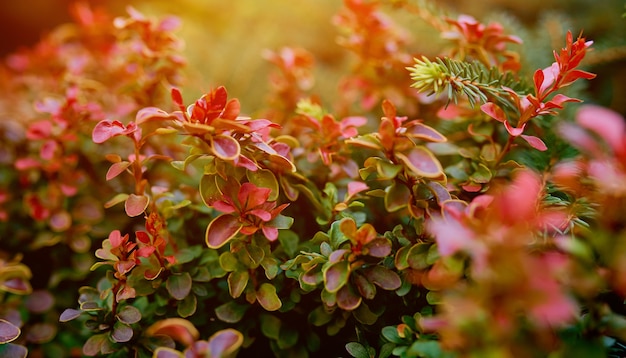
458 78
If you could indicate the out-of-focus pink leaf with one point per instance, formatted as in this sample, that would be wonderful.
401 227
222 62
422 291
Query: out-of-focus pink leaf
605 122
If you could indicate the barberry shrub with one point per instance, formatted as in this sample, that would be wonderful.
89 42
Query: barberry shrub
449 205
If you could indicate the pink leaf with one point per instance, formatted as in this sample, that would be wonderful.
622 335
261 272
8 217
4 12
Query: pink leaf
355 187
514 131
607 123
116 169
106 129
225 147
135 205
271 233
535 142
493 111
221 230
150 113
422 131
422 162
261 214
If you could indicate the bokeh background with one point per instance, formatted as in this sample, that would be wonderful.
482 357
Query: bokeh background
225 39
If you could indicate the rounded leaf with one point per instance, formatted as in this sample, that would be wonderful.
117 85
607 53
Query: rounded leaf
422 162
121 332
222 229
11 350
129 315
178 329
225 343
135 205
336 276
383 277
267 297
225 147
179 285
8 331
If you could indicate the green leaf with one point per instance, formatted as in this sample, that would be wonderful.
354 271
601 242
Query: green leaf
264 178
288 338
179 285
270 326
390 333
231 312
425 349
319 316
121 332
221 230
119 198
8 331
209 191
336 276
129 315
289 242
422 162
397 196
267 297
357 350
229 262
187 306
364 315
237 282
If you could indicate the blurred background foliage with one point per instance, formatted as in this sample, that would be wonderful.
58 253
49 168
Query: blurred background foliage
225 39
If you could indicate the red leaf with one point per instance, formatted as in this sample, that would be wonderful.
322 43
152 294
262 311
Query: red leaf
136 204
177 97
251 196
221 229
535 142
538 81
232 109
